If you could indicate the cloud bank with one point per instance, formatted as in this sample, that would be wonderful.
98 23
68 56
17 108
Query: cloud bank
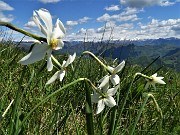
5 7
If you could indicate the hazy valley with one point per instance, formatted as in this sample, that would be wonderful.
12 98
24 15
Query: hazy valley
140 52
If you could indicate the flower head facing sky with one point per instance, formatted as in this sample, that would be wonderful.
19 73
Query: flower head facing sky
53 36
154 80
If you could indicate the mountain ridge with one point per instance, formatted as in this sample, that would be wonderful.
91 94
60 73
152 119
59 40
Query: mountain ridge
137 52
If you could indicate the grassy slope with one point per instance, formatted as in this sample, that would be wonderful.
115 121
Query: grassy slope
50 117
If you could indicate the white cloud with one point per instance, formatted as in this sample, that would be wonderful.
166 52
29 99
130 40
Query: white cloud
7 18
112 8
8 34
164 23
4 6
130 11
146 3
166 3
117 31
81 31
49 1
71 23
84 19
32 27
129 14
104 18
132 18
176 29
109 26
30 24
139 3
117 17
160 29
88 32
151 30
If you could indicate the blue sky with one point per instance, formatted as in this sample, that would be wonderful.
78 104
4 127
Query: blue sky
121 19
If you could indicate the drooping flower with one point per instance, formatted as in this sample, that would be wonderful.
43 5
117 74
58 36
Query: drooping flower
53 36
154 79
114 77
103 96
60 74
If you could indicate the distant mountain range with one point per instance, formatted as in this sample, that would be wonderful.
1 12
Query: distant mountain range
136 51
141 42
159 41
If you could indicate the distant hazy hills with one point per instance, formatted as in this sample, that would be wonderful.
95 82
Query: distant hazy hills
137 52
160 41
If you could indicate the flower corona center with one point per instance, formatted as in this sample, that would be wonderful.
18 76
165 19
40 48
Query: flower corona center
54 43
103 95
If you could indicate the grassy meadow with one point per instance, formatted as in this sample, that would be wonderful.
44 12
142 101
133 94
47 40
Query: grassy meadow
60 108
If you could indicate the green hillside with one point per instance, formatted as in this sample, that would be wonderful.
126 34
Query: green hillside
61 108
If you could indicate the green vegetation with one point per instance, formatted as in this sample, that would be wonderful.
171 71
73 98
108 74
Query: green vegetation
137 54
69 104
65 112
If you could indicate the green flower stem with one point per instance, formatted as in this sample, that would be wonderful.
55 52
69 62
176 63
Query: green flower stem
113 117
113 120
17 102
123 105
65 94
126 97
56 61
145 76
45 99
139 114
160 112
142 108
89 114
149 66
9 25
95 88
96 58
75 69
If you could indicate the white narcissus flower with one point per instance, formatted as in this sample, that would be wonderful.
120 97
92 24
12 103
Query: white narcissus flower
103 96
53 36
60 74
114 77
154 80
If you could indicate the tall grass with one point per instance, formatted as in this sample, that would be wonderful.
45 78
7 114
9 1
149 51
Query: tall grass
64 108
